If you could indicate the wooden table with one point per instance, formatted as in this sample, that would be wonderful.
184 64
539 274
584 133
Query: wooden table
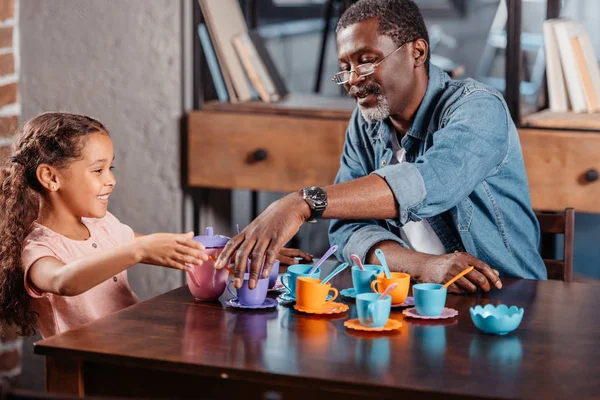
171 347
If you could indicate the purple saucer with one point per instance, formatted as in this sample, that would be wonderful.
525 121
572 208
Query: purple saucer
447 313
268 303
410 301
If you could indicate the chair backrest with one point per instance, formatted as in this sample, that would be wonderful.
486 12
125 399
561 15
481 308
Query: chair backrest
560 223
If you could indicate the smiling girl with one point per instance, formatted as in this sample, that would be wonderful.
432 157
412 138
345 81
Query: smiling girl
63 255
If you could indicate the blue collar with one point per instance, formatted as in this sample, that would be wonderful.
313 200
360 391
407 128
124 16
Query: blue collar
435 86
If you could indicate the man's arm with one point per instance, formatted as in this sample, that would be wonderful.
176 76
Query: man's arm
424 267
467 149
357 235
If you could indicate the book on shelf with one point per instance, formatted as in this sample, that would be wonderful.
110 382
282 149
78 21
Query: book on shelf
557 92
238 59
213 63
592 68
578 63
255 68
225 20
265 56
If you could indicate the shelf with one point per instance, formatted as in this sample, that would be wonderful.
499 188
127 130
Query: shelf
296 105
547 119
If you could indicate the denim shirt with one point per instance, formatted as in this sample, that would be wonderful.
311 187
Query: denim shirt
464 173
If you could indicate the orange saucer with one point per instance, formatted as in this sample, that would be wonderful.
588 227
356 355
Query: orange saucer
390 325
328 308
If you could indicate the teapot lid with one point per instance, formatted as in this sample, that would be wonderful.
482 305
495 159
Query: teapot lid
210 240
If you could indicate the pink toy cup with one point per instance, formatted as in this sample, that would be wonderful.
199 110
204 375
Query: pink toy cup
207 283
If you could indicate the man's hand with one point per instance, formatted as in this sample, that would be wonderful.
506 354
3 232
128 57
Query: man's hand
264 237
288 256
441 269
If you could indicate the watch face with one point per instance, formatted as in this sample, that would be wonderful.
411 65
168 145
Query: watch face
317 195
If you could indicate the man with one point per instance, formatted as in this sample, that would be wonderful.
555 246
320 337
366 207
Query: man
432 171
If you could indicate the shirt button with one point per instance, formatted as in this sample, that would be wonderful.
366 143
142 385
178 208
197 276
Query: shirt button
114 278
94 245
383 162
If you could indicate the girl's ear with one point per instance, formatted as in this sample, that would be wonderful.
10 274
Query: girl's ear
48 177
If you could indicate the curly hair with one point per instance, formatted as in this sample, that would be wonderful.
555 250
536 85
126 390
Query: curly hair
401 20
55 139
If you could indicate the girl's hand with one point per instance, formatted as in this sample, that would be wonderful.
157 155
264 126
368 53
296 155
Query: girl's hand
288 256
170 250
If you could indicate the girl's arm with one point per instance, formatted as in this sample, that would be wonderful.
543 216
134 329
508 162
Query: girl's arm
50 275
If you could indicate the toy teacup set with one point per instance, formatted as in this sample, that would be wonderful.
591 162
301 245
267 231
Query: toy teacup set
312 295
208 284
375 288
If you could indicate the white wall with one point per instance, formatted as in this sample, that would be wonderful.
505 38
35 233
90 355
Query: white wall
119 61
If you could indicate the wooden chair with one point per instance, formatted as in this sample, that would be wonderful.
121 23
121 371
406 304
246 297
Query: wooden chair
551 223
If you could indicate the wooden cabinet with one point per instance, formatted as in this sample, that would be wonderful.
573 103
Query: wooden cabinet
278 147
562 168
562 158
285 146
263 152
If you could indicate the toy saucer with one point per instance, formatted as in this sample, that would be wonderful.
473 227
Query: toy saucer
410 301
287 297
390 325
268 303
278 288
348 292
329 308
447 313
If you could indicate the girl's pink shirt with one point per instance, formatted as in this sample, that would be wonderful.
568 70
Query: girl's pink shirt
57 313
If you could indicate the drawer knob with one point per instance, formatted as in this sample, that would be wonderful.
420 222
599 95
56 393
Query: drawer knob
260 154
591 175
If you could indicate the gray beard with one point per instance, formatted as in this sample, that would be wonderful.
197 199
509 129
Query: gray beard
378 113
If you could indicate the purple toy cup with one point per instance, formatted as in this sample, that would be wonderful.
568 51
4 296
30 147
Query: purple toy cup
272 275
250 297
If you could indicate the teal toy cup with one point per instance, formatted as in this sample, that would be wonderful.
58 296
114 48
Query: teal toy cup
372 312
288 280
430 300
361 280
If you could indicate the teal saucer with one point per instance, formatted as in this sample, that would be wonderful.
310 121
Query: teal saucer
349 292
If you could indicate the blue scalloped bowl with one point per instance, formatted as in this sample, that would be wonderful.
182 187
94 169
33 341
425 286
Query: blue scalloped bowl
496 320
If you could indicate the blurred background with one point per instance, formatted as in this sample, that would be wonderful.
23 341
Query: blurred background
137 66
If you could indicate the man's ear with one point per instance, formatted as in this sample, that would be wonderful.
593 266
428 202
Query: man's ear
48 177
420 49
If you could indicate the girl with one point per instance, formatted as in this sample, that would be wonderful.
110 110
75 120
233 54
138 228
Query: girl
63 256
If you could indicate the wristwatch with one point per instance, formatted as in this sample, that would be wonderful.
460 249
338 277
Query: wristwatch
316 198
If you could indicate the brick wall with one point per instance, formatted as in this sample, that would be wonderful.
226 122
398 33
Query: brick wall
9 106
10 344
11 347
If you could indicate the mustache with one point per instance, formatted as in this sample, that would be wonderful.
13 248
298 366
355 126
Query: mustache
356 92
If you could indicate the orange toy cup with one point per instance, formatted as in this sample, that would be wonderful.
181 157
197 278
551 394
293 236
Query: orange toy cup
311 294
399 294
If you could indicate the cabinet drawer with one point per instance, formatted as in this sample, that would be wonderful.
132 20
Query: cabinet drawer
557 163
262 152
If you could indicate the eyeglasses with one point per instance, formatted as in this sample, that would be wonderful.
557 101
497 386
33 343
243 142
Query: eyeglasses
361 70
